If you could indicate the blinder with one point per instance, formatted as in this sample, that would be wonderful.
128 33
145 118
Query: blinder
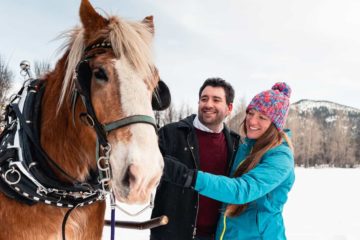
83 78
161 97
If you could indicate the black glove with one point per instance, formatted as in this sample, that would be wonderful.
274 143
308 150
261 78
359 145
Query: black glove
178 173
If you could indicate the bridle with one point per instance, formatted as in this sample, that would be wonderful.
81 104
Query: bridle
103 147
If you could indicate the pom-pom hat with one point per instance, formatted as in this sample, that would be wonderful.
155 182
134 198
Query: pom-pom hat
273 103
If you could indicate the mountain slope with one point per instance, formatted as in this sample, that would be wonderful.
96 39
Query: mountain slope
325 133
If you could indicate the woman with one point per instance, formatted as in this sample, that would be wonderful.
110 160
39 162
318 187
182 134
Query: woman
263 173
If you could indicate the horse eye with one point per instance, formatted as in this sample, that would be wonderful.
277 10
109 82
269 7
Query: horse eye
100 74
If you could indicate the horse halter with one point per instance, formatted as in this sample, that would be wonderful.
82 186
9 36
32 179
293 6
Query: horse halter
103 147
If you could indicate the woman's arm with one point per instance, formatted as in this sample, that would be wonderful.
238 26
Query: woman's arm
272 170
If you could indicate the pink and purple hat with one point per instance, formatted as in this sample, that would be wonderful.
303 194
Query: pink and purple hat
273 103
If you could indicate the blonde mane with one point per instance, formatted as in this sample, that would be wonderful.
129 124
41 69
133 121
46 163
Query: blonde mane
128 39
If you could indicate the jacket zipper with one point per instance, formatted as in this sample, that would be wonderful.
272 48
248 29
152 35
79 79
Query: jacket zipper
224 228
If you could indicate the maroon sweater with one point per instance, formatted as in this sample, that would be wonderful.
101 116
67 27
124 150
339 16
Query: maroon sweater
213 159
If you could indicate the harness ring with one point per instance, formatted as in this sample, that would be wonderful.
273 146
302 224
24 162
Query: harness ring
105 161
11 171
87 119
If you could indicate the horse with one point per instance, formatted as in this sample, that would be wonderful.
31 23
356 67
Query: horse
104 144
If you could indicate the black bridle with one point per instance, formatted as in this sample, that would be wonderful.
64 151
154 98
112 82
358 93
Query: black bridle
103 147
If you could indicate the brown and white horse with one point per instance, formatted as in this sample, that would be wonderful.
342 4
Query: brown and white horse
122 78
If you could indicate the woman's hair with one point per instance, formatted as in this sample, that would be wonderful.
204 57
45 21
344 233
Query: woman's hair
271 138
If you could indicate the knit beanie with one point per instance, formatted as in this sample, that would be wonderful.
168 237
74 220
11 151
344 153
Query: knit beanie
273 103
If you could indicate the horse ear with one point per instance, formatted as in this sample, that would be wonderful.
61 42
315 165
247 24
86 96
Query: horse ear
149 22
91 20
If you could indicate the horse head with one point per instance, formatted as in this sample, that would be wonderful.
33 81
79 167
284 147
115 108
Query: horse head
116 73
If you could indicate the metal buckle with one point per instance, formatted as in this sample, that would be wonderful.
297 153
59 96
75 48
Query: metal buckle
103 164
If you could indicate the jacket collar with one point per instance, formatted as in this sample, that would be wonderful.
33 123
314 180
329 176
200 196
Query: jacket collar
187 122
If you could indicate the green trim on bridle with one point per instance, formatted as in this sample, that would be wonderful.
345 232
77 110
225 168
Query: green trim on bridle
129 120
103 161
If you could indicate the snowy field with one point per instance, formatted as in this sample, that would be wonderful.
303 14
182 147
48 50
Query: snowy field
324 204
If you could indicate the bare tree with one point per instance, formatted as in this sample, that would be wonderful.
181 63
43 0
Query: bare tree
6 77
312 131
238 115
172 114
297 137
324 138
41 68
184 111
167 116
307 137
342 145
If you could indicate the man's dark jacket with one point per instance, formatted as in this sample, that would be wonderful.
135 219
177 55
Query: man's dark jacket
180 204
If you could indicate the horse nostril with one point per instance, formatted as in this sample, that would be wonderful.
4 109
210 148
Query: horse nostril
129 176
126 180
132 173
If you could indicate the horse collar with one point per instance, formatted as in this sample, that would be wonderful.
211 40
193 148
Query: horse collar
25 169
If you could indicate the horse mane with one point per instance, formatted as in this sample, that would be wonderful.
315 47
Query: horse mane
129 39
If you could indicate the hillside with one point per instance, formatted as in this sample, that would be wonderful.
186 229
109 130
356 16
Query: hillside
325 133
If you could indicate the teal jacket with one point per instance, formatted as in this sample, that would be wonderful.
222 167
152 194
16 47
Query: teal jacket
265 188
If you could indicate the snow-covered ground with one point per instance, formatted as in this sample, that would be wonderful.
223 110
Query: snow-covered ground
324 204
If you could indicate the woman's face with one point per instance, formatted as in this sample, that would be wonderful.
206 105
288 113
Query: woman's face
256 124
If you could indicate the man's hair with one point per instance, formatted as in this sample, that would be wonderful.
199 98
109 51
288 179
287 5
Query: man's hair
219 82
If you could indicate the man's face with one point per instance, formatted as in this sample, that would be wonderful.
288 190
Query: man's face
212 109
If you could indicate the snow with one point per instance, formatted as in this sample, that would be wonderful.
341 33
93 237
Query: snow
324 204
331 119
306 105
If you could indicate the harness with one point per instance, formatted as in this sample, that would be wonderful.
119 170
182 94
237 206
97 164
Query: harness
26 170
26 174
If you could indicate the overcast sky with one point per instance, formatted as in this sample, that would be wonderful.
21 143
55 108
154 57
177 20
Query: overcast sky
314 45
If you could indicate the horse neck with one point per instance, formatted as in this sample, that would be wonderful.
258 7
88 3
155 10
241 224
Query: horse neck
71 146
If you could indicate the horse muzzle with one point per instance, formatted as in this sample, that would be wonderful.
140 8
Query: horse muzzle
134 181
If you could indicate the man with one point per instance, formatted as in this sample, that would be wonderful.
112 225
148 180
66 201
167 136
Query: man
203 142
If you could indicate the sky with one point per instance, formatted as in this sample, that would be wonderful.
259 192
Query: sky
322 205
314 46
